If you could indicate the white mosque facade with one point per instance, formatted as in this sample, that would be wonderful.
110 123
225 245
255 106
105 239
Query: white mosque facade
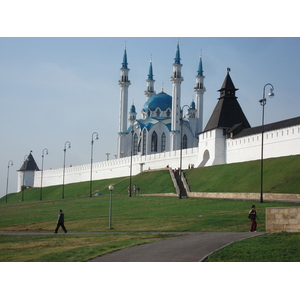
162 125
164 134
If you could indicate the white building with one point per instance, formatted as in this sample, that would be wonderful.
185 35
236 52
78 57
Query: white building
154 141
162 123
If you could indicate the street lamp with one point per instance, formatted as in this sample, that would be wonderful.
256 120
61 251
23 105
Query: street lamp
10 163
23 187
263 102
64 169
130 175
107 155
41 191
181 137
134 125
92 146
111 188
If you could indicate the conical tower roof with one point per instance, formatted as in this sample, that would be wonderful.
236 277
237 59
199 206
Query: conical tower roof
227 84
228 111
29 164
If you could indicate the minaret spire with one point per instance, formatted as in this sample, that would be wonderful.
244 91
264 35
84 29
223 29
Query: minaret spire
150 75
149 92
200 68
124 84
177 56
176 98
124 63
199 92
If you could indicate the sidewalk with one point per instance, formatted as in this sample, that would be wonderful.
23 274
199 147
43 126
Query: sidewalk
193 247
187 247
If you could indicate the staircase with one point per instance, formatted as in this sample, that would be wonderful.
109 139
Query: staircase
179 183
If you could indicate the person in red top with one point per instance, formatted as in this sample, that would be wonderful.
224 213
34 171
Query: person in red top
252 216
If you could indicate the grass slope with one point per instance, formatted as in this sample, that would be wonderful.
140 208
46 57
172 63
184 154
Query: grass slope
148 182
281 175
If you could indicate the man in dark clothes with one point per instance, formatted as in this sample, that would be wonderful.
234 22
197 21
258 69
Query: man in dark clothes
60 222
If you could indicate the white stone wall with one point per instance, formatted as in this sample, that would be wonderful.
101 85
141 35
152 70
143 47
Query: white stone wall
28 180
115 168
213 149
281 142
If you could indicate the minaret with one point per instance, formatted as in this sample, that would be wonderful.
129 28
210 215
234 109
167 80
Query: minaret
176 95
199 91
150 83
132 115
124 83
192 112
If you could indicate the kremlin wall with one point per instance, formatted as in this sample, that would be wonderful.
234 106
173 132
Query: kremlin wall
157 138
277 143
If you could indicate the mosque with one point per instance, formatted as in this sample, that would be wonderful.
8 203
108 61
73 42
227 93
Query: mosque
162 126
163 134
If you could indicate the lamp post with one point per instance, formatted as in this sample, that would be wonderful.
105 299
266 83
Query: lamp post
130 175
64 169
181 137
107 155
23 187
263 102
92 146
45 151
10 163
111 188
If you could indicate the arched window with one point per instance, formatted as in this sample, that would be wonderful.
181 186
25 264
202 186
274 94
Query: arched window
135 144
184 142
154 142
163 142
158 112
168 113
144 142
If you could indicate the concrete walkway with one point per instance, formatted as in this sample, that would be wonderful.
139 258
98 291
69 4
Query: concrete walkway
187 247
193 247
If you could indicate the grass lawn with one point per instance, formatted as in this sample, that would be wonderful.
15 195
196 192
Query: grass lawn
67 248
137 216
276 247
133 216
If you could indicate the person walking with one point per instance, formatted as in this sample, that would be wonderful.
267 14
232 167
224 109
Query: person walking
253 216
128 191
60 222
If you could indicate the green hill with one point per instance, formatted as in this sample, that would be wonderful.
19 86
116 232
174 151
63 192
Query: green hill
281 175
148 182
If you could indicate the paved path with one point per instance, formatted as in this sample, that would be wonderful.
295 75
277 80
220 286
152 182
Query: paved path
187 247
191 247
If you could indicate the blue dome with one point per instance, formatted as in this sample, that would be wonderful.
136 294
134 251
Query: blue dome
161 100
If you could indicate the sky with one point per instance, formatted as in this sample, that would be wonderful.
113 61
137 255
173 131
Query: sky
59 72
62 89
